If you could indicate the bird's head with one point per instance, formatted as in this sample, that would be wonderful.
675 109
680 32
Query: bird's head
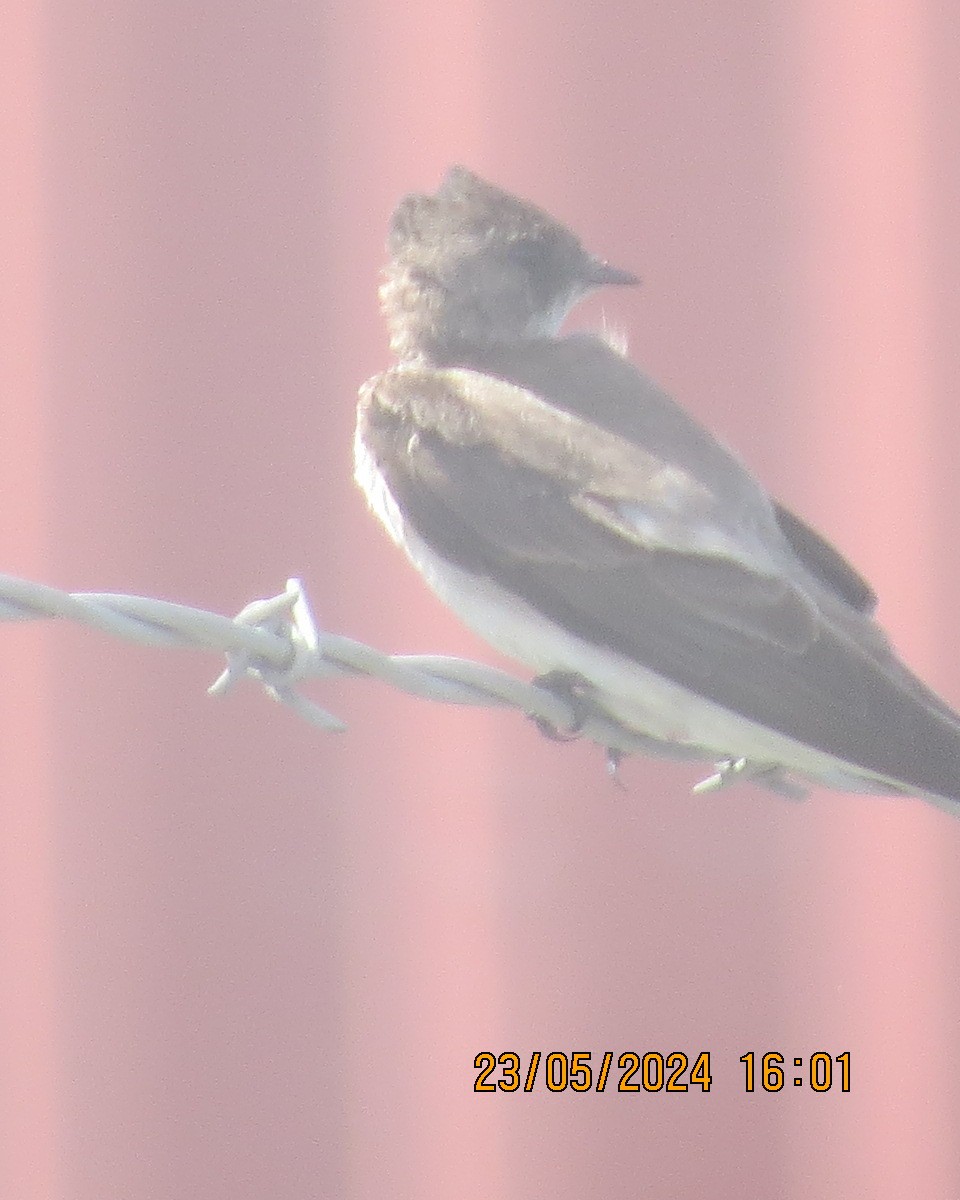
472 264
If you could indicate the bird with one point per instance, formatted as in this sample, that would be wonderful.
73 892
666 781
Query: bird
579 520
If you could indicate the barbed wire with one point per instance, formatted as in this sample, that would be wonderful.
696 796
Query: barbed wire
277 643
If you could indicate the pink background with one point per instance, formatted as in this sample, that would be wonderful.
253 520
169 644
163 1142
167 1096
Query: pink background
242 958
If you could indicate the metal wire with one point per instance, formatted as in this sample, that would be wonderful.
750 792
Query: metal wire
277 643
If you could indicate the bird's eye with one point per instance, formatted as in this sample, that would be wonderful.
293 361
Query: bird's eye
528 254
530 261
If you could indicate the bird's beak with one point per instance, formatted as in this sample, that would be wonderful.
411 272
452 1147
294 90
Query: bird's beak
602 274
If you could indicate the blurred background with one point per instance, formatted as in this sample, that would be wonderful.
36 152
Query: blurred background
242 958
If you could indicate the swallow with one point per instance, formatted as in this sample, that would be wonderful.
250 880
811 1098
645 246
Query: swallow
580 521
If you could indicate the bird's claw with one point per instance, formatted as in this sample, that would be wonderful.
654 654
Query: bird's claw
576 693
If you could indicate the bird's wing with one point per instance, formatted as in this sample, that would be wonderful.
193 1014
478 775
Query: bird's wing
584 375
825 562
614 545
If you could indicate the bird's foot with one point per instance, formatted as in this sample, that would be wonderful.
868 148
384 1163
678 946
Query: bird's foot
576 693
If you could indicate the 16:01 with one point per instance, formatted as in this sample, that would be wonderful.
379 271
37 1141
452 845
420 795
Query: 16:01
820 1074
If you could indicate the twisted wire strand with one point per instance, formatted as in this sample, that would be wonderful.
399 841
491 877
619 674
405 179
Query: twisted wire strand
277 643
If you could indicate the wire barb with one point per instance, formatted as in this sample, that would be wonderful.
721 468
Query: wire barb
738 770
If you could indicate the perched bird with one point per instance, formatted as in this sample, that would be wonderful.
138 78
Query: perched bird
581 522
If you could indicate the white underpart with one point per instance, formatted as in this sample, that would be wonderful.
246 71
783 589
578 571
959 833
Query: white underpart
636 697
